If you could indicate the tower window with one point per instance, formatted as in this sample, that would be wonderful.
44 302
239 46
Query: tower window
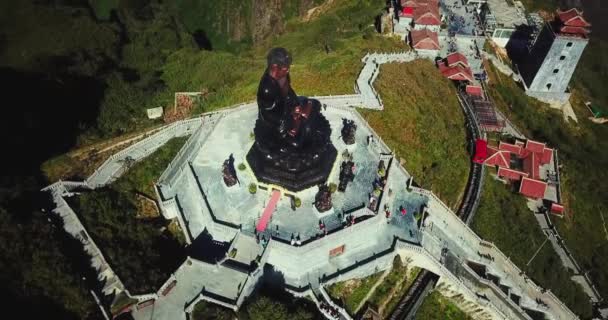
569 44
562 58
555 70
549 86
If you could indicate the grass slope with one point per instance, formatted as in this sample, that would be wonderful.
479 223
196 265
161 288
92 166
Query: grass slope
436 306
504 218
424 124
583 150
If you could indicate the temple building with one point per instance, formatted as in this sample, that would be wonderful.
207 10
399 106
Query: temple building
547 69
530 166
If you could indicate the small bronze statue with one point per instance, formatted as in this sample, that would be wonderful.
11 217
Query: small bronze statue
349 128
323 198
347 174
228 172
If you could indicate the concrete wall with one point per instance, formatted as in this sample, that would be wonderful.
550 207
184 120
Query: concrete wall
558 66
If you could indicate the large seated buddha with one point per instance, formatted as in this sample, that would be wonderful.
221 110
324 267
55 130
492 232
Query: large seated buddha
292 146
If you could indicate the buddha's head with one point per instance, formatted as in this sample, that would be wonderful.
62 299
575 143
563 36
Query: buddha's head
279 61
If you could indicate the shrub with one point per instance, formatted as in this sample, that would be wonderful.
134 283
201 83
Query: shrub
298 202
253 188
242 166
333 187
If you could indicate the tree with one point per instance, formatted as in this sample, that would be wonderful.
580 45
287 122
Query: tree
263 308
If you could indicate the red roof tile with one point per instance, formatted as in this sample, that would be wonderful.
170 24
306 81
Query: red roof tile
509 147
427 15
573 18
557 208
474 91
424 39
574 30
500 158
419 3
456 58
535 146
532 188
456 73
407 12
511 174
547 156
531 164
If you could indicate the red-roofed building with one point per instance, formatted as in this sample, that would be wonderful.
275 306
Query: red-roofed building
547 156
424 39
476 91
574 30
532 188
419 3
419 14
531 164
456 58
534 146
557 209
516 149
456 73
407 12
511 174
498 158
427 17
573 18
525 162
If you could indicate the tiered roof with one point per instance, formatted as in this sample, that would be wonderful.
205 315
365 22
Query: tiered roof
456 67
572 22
427 15
456 58
424 39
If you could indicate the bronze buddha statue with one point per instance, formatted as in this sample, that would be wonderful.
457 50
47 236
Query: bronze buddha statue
292 137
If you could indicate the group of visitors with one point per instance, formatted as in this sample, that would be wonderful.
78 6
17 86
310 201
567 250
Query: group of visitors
263 241
295 240
333 312
377 186
387 212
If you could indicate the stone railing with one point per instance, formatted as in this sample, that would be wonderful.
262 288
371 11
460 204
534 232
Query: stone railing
444 272
74 227
117 163
476 243
329 301
497 292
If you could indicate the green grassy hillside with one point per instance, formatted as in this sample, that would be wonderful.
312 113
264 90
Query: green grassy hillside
424 124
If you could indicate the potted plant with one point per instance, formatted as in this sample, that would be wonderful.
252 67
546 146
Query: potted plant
253 188
298 202
333 187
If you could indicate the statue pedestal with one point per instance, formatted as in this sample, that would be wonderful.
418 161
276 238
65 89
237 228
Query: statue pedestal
274 161
323 214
